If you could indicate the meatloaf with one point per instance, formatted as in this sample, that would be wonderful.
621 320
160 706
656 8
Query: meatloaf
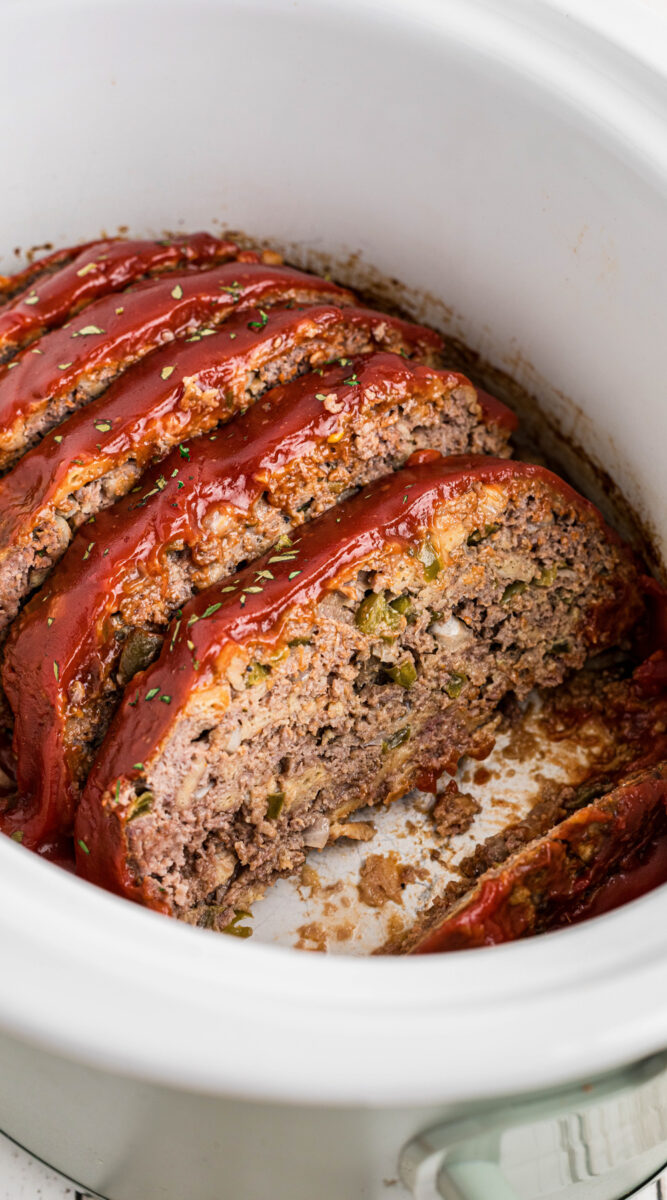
37 268
49 298
360 659
195 518
64 369
182 390
542 885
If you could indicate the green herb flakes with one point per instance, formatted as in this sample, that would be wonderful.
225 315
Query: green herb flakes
102 426
83 846
166 372
152 693
56 670
177 292
212 608
259 324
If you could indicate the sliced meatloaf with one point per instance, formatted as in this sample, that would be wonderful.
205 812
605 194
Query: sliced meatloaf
95 271
363 657
546 882
184 389
195 518
64 369
19 281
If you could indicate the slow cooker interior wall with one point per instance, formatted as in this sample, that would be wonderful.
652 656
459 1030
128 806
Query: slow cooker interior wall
438 166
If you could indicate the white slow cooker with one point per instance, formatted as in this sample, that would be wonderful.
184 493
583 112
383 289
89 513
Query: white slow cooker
507 160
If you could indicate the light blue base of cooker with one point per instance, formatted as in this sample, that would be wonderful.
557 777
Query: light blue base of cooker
598 1140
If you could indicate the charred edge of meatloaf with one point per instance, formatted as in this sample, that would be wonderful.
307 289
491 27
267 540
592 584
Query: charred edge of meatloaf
348 717
46 542
298 493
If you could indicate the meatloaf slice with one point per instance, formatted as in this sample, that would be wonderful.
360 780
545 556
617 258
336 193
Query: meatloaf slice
193 520
64 369
544 883
359 660
182 390
20 281
97 270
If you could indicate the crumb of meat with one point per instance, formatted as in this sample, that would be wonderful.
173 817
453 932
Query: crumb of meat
383 876
454 811
310 879
356 831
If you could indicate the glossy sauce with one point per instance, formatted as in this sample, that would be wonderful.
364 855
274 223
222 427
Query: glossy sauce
101 268
130 418
117 328
643 871
11 285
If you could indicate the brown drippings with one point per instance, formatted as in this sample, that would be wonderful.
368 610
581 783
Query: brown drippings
311 937
344 931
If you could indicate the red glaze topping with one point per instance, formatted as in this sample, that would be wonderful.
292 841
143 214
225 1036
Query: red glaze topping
96 270
150 406
393 512
232 470
641 872
10 285
117 328
501 908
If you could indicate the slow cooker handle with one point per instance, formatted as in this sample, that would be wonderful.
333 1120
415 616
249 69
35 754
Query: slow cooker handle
596 1141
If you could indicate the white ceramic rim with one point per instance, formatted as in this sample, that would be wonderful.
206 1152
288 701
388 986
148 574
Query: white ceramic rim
98 980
